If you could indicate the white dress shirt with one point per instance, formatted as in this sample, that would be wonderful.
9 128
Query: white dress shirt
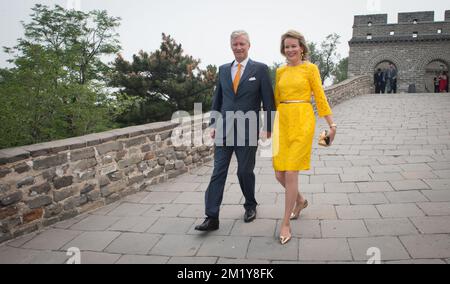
234 68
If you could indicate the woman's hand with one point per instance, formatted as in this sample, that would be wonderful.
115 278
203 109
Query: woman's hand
332 134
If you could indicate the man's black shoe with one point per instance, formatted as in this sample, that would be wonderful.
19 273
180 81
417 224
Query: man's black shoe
209 224
249 215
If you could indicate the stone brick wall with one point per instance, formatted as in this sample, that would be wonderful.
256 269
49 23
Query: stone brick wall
46 183
348 89
50 182
411 55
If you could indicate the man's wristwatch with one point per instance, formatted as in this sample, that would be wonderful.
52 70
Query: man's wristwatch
334 125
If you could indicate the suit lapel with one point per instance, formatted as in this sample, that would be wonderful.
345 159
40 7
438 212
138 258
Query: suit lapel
228 78
249 70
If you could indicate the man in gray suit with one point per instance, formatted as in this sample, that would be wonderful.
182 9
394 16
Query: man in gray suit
241 88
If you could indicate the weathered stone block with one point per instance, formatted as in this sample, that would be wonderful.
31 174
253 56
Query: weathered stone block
133 160
103 181
63 182
179 164
181 155
136 179
49 162
39 201
25 181
85 164
87 188
11 198
62 194
149 156
4 188
93 195
115 176
33 215
112 198
108 169
135 142
82 154
169 166
107 160
8 211
107 191
4 172
109 147
21 168
39 189
53 210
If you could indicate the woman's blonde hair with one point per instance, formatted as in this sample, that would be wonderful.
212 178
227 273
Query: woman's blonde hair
301 41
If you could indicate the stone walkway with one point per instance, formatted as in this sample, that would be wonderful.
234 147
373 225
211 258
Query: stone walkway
385 184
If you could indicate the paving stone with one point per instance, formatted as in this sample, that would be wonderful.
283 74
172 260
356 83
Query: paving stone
129 210
89 257
357 212
405 196
435 208
341 187
222 246
92 241
409 185
160 197
437 195
171 225
52 239
178 245
399 210
324 250
95 223
432 225
343 228
165 210
390 248
331 198
133 224
367 198
268 248
390 227
133 243
257 228
438 184
427 246
374 186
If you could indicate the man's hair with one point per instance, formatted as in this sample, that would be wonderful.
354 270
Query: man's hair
239 33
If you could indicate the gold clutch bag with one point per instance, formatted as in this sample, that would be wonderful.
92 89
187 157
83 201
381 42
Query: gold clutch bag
324 139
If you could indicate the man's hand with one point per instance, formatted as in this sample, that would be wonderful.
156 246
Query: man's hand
213 133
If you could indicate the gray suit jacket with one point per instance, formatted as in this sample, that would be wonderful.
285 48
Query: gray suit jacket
255 88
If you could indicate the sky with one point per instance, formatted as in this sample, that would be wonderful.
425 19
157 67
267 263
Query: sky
203 27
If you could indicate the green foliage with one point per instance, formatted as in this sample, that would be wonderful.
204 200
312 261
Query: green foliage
54 90
326 56
341 70
165 81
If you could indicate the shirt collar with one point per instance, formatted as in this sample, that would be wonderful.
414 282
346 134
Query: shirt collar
243 63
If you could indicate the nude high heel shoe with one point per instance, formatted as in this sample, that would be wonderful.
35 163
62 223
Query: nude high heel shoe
296 215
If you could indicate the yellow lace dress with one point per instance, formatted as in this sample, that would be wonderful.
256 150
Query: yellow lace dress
295 122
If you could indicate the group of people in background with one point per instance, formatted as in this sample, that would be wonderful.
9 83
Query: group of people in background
386 80
441 83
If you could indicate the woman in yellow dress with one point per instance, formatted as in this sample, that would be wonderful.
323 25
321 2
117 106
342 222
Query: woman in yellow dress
295 122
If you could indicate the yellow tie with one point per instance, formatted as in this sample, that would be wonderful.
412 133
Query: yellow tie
237 79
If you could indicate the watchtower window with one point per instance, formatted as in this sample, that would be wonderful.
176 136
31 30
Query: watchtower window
415 34
439 31
369 36
415 21
392 33
369 24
